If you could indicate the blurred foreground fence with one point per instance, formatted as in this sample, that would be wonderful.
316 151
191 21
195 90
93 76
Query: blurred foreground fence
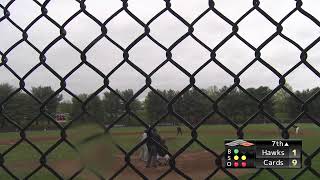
5 7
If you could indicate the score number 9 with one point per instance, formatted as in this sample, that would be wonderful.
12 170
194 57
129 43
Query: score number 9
294 162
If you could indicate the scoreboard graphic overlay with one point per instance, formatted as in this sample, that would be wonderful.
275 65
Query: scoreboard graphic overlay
263 153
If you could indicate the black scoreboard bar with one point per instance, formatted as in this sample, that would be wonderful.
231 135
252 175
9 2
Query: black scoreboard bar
279 153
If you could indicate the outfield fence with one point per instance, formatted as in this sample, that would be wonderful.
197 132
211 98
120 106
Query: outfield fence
278 27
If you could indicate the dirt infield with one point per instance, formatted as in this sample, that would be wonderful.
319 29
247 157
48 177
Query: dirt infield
197 165
195 162
32 139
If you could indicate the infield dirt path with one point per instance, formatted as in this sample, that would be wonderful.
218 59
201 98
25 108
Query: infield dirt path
197 165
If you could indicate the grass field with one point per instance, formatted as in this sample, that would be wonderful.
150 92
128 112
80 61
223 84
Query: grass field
23 159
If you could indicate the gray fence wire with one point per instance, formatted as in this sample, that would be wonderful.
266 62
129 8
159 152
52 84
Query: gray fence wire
148 82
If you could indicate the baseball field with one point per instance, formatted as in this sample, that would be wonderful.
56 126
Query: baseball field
101 155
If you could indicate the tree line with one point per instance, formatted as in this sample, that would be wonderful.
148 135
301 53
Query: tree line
193 105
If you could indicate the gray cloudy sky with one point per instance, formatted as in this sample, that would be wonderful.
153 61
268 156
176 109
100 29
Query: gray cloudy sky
211 29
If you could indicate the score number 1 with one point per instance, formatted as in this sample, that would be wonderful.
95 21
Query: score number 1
294 152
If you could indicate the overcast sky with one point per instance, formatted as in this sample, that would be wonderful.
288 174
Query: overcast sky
211 29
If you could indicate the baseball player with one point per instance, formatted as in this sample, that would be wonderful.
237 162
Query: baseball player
296 129
144 153
162 156
152 146
179 130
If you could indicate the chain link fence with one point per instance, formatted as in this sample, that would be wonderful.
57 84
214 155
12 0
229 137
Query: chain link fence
278 32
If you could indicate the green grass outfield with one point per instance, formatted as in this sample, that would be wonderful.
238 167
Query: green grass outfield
23 159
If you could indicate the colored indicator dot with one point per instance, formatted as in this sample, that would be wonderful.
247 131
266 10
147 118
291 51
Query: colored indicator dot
243 157
243 164
236 151
235 164
236 158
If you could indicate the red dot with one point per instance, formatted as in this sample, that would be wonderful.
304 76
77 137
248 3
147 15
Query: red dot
235 164
243 164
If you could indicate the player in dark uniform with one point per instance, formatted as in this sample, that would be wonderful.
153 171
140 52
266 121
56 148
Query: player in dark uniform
179 130
163 157
153 148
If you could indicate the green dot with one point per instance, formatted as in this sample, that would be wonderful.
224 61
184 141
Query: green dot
236 151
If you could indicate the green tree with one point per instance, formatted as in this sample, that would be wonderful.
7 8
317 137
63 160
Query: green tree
19 108
155 106
268 106
43 93
294 106
313 107
77 107
94 111
12 107
239 106
193 106
135 106
234 105
5 90
281 104
112 106
213 92
65 107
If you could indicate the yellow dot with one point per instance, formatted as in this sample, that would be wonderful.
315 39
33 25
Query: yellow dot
243 157
236 158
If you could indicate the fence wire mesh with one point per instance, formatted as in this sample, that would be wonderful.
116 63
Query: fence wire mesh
278 32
